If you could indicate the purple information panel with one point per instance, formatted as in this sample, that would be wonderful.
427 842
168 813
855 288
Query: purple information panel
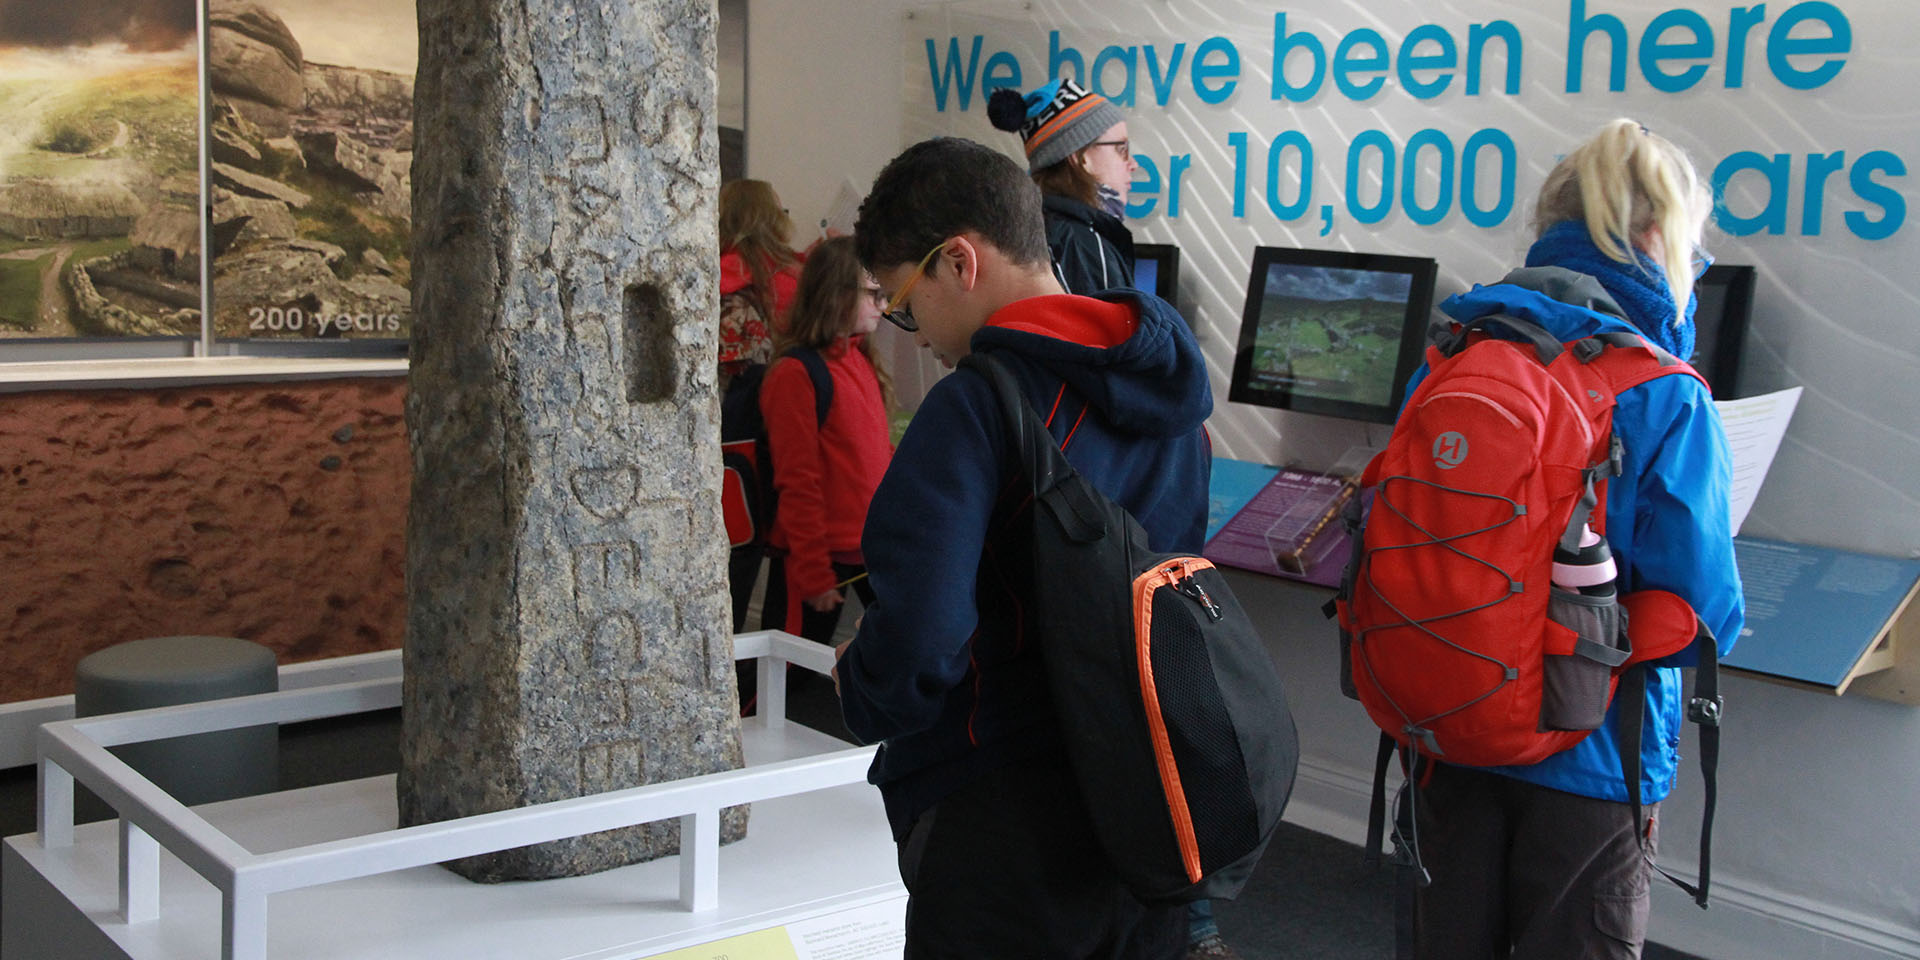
1287 509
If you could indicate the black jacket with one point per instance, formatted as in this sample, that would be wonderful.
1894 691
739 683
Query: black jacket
1092 249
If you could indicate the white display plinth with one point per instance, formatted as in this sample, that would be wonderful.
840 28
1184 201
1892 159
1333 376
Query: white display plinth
807 856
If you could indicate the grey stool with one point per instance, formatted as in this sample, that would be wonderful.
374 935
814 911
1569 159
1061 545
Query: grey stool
163 672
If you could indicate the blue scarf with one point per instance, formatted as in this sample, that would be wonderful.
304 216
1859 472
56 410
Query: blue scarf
1640 290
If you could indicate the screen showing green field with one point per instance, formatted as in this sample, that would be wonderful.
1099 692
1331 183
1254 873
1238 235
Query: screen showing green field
1329 333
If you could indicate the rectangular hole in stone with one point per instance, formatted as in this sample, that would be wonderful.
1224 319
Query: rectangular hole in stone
649 345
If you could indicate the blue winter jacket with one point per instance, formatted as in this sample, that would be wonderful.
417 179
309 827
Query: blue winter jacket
942 672
1667 522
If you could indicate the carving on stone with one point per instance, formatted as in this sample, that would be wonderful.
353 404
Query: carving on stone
612 766
582 122
605 707
606 492
591 200
613 645
601 574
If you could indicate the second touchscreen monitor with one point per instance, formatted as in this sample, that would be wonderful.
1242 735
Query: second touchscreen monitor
1332 332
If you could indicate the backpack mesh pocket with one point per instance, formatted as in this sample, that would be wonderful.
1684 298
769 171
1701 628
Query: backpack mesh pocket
1577 686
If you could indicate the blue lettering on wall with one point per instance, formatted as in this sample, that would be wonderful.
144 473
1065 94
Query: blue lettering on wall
1003 70
1772 218
1890 201
1580 28
1346 63
1487 217
1163 80
1443 58
1303 171
950 76
1477 37
1654 49
1128 58
1205 71
1410 178
1782 45
1057 58
1378 143
1284 44
1143 195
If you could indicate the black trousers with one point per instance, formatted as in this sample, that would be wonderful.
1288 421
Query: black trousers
1008 868
743 570
1525 872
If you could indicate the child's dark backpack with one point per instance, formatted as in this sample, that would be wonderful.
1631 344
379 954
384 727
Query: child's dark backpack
747 497
1454 635
1172 712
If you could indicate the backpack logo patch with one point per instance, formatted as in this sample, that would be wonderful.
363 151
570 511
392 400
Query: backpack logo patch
1449 450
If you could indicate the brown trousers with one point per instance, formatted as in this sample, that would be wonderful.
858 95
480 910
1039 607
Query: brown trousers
1525 872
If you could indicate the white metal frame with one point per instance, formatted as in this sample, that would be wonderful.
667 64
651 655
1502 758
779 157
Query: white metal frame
76 750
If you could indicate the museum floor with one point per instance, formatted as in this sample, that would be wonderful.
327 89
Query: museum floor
1311 899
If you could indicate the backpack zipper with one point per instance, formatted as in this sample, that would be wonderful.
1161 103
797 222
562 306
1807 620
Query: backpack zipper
1191 587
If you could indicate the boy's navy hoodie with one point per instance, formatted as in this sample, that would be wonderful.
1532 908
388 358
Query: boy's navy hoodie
942 671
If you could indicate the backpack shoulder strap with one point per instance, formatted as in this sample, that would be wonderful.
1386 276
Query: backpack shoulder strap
822 381
1703 709
1076 500
1039 456
1452 338
1630 360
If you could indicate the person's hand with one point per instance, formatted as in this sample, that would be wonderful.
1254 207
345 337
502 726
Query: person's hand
839 650
823 602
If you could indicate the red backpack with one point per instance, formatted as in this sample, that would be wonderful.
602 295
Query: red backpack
1453 635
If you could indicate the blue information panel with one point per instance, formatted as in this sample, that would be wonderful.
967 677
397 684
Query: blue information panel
1813 612
1234 483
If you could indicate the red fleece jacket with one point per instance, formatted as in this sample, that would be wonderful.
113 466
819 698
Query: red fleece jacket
734 275
825 475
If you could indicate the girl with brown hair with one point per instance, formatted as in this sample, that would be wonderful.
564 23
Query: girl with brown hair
759 272
825 469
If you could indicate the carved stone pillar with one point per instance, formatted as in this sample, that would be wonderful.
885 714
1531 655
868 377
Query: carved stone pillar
568 624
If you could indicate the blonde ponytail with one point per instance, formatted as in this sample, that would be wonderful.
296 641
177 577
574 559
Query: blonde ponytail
1624 183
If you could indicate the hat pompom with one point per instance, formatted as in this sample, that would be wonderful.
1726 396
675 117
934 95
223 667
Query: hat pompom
1007 109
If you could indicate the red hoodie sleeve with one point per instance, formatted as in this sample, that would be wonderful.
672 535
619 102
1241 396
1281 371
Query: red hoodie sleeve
800 525
785 284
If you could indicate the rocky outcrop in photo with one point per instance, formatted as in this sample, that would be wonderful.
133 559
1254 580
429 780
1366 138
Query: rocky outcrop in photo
254 64
312 169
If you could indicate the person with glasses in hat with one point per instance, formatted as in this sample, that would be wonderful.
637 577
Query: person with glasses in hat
1079 154
995 844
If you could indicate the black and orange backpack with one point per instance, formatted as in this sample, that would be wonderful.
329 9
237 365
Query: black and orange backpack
1171 709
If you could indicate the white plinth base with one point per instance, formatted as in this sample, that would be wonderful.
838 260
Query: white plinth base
805 856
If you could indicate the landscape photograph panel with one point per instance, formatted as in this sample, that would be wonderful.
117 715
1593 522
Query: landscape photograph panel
99 160
311 135
1330 333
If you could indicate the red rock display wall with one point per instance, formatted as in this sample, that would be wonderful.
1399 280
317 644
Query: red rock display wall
275 512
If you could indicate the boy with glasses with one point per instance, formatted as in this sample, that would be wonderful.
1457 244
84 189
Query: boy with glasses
994 841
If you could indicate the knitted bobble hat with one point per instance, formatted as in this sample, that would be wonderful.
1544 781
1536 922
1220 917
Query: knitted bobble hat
1053 121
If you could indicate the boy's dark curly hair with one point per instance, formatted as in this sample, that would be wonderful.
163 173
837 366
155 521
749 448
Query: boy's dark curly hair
943 187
